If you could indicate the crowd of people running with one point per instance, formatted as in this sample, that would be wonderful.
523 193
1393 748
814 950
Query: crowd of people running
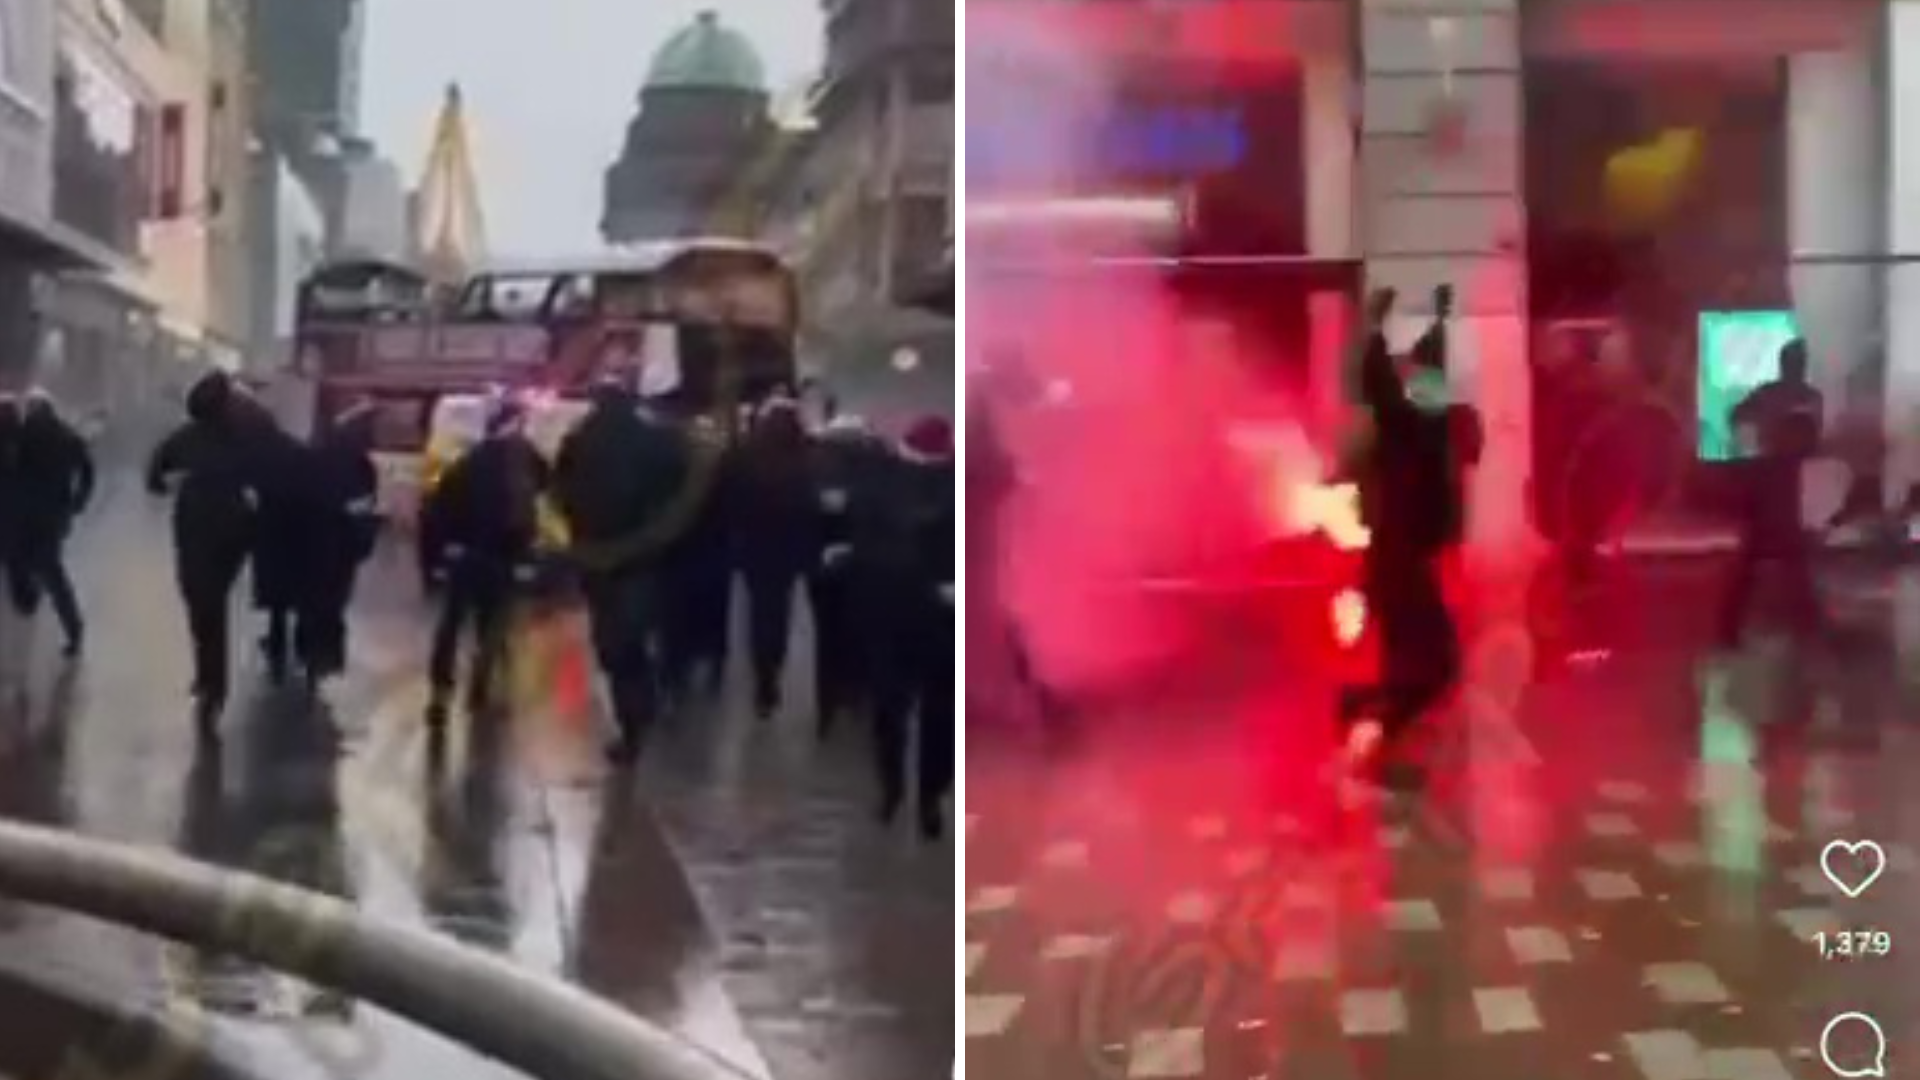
664 514
663 517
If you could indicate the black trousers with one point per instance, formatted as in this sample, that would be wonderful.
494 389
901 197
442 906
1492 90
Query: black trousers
912 666
623 610
770 591
39 568
320 635
206 589
695 594
476 599
837 671
1792 561
320 638
1420 661
1771 533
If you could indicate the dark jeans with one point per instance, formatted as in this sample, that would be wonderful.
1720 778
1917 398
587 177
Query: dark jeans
769 624
278 637
320 639
477 595
1792 560
1420 660
623 610
207 591
912 667
40 568
695 601
837 677
1771 532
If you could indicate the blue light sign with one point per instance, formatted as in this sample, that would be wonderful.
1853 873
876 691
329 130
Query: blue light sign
1157 142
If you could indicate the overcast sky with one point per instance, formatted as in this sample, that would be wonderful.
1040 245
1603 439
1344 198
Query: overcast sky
550 86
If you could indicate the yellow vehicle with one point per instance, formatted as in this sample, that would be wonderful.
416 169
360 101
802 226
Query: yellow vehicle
460 420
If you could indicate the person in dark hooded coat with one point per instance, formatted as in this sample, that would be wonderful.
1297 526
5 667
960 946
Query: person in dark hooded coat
840 678
1411 484
776 519
284 528
13 502
699 579
345 488
55 480
902 525
206 464
621 480
485 514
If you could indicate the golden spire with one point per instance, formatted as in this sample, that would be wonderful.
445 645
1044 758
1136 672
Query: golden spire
449 225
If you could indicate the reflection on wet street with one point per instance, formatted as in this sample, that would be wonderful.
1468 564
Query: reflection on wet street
1615 871
508 834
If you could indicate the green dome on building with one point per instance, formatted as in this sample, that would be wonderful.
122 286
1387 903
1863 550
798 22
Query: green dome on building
707 56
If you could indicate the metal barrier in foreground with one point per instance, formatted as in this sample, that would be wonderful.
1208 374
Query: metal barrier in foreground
545 1028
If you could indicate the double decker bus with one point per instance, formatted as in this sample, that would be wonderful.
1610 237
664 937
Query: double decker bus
705 322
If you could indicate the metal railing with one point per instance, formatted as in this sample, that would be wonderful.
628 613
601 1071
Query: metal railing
544 1028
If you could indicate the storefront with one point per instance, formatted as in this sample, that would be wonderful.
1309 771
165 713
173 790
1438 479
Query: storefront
31 243
1695 197
1149 183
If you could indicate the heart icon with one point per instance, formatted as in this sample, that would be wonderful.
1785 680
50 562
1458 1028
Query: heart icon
1859 864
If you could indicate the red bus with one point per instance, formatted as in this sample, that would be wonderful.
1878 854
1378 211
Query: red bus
705 321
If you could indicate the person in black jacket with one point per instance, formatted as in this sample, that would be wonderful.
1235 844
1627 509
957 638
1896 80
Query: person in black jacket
698 579
623 483
839 676
13 503
284 526
1786 419
485 517
55 478
1412 499
345 522
206 462
775 517
902 526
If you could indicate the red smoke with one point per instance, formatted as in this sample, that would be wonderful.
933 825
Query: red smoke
1132 476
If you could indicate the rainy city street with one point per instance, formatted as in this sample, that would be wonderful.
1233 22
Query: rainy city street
1614 873
737 890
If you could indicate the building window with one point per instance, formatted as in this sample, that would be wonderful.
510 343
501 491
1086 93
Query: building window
100 175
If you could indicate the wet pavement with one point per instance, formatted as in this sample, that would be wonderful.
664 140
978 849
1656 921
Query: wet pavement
737 891
1615 872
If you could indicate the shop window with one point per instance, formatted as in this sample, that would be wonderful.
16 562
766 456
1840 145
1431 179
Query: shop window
1655 183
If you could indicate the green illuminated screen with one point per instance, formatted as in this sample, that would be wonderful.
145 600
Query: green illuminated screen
1739 350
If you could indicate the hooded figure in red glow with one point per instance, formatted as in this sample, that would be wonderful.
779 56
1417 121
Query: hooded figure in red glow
1412 493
